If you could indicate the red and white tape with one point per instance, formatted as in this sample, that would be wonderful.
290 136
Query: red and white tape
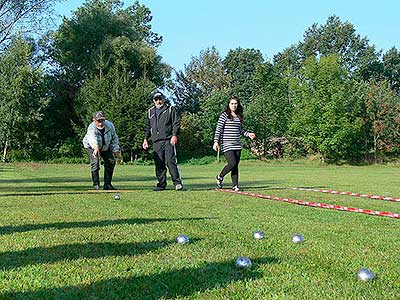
369 196
317 204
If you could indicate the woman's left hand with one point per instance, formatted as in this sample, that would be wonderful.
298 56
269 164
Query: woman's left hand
252 135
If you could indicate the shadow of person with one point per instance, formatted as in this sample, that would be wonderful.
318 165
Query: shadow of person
89 224
164 285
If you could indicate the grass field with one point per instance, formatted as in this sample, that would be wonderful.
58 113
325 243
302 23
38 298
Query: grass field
61 240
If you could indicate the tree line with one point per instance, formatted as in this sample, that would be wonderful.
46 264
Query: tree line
333 94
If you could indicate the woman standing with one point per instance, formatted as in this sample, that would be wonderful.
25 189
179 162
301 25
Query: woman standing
227 136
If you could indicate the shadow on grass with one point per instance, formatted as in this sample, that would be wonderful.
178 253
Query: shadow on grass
41 255
261 184
167 285
89 224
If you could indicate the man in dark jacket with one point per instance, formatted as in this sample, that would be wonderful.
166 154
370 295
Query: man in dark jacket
162 126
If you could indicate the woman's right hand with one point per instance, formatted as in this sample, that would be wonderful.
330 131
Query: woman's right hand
216 146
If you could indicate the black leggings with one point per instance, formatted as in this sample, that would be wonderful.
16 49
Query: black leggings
233 159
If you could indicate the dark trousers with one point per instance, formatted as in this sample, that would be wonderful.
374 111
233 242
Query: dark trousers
165 156
109 164
233 159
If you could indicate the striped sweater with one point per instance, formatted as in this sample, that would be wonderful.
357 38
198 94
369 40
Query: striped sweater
228 132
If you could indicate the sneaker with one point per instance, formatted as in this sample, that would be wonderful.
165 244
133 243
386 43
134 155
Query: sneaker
159 188
96 187
235 188
219 182
109 187
179 187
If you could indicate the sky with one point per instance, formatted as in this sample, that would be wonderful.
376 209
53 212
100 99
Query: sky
189 26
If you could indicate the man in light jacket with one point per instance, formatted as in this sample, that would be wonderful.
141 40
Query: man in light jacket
101 140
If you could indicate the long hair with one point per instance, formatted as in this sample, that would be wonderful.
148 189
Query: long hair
239 109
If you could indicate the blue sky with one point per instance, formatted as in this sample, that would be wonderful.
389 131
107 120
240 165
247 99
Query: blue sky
189 26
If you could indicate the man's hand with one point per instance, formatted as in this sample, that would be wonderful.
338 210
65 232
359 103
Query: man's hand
174 140
216 146
145 144
96 152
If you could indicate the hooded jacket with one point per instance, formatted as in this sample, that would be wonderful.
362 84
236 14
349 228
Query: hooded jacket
163 128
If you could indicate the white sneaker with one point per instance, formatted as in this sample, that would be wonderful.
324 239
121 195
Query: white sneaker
235 188
178 187
219 182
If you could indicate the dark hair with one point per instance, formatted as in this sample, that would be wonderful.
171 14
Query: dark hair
239 109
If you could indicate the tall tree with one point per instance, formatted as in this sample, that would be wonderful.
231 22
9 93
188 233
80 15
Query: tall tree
241 64
22 16
22 97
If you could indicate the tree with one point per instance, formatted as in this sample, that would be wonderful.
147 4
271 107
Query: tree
22 97
327 110
241 65
383 117
391 65
21 16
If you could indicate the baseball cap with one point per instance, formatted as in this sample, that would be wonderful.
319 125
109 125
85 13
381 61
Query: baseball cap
99 115
158 95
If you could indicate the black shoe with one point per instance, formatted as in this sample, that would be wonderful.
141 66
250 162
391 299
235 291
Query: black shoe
96 187
219 181
159 188
109 187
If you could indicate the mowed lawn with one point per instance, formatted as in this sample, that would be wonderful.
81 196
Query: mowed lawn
61 240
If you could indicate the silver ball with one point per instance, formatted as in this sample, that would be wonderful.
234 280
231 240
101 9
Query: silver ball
117 197
365 274
182 239
297 238
258 235
243 262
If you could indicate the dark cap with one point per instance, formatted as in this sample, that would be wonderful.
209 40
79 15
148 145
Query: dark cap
99 115
158 95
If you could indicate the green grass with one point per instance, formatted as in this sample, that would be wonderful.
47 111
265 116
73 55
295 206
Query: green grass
60 240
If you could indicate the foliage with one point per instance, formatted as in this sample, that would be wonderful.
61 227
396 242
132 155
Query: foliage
22 97
327 110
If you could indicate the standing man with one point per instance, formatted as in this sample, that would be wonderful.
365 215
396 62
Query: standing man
162 126
101 140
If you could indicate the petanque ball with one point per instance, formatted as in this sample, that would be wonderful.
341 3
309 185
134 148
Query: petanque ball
297 238
365 274
117 197
243 262
258 235
182 239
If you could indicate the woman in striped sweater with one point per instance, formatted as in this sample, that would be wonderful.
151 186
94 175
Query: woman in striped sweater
227 137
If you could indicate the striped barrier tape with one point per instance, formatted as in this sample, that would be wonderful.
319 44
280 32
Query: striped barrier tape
369 196
317 204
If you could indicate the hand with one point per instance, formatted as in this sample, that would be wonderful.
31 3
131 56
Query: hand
252 135
145 144
216 146
116 153
174 140
96 152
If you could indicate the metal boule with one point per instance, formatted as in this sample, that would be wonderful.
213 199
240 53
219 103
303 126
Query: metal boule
365 274
182 239
258 235
243 262
297 238
117 197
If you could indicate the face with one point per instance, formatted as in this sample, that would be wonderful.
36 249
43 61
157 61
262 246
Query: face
233 104
158 102
99 123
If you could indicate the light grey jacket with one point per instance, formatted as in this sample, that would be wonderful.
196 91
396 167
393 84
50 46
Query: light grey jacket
93 137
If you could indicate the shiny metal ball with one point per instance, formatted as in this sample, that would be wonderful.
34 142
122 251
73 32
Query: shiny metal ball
117 197
297 238
182 239
365 274
258 235
243 262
